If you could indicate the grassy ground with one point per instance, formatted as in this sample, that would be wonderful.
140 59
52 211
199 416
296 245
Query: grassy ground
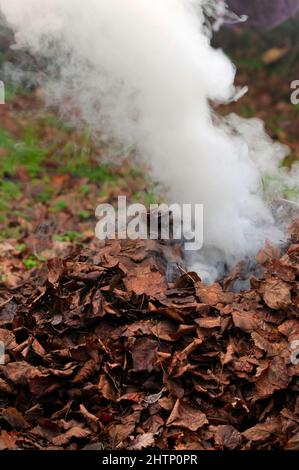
52 177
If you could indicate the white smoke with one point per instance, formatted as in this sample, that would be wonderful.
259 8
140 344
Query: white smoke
144 70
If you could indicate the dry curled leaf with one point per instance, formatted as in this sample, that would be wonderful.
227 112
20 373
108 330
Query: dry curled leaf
120 432
144 354
56 268
274 55
20 372
87 371
274 377
15 418
227 437
107 388
8 440
73 433
8 339
142 441
144 281
186 417
91 420
277 294
263 431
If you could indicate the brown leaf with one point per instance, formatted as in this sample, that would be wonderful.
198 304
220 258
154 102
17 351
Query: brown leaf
267 253
144 353
8 440
153 424
142 441
73 433
87 371
43 385
56 268
227 437
263 431
136 397
277 294
37 348
46 429
8 338
272 349
187 280
15 418
186 417
274 377
91 420
107 388
5 388
120 432
274 55
172 313
208 322
164 330
20 372
213 295
144 281
173 386
293 442
290 329
246 321
228 356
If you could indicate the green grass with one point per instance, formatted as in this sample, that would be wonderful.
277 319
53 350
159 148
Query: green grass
10 233
21 247
45 194
271 183
11 92
31 262
99 174
68 236
26 153
77 158
291 194
59 206
84 190
55 122
147 198
10 189
251 63
248 111
290 160
3 278
84 215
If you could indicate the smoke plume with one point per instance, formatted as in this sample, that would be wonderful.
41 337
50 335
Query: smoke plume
144 71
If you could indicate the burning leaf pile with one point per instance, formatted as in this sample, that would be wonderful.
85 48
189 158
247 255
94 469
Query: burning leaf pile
103 352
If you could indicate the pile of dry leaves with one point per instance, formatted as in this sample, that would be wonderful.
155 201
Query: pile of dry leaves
102 352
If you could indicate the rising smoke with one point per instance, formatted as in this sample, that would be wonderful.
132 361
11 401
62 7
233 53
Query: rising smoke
144 70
